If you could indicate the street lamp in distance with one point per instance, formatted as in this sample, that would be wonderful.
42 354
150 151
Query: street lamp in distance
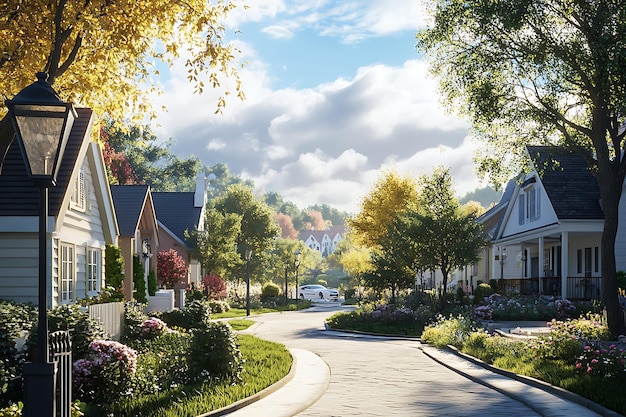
296 264
248 255
42 124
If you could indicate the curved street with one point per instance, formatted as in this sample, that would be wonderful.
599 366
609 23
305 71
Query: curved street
381 377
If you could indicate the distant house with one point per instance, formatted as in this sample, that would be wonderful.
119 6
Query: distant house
323 241
81 221
177 212
138 230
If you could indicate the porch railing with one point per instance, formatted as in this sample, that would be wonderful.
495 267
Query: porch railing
578 288
61 351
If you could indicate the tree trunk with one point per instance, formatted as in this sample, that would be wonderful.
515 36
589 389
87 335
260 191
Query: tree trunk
610 191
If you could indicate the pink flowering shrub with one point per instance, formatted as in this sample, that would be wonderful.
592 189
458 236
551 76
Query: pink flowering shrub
106 373
483 313
153 327
600 361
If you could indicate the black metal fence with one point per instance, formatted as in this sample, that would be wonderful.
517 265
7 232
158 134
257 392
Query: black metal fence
578 288
61 351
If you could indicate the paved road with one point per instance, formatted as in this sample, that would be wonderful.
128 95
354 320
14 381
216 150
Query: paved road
379 377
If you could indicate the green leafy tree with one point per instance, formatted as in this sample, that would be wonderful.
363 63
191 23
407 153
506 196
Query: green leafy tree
216 246
223 179
258 229
280 262
541 72
388 271
151 162
334 216
441 235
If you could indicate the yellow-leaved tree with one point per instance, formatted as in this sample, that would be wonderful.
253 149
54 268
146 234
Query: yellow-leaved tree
391 196
103 54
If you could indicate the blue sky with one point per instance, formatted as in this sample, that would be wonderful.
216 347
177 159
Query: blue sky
335 94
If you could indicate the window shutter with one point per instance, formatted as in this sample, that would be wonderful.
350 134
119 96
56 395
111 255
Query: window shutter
521 204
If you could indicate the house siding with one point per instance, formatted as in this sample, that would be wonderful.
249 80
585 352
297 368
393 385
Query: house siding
19 267
84 230
546 214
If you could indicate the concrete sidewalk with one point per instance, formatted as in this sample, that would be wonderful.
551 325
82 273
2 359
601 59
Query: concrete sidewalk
310 379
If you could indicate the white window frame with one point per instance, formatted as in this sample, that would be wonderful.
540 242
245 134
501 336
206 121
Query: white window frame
93 261
67 272
79 193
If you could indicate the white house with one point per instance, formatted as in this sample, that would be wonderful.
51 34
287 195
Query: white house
548 238
323 241
81 221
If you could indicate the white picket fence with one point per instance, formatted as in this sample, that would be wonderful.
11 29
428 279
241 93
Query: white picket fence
111 315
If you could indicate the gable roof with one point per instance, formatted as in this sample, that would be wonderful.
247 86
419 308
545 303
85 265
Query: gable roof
492 219
568 182
20 195
129 201
177 212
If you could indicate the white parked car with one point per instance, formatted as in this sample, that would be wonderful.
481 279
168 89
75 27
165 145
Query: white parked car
317 292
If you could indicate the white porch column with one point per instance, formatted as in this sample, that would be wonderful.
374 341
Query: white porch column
542 272
564 263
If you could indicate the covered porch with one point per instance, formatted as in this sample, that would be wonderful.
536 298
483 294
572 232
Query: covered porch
562 260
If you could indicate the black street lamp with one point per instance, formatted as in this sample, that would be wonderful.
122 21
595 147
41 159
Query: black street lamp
286 284
248 255
296 264
42 124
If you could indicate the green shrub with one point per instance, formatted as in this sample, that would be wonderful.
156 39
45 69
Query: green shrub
219 306
214 353
162 363
152 283
71 317
139 281
482 290
349 293
133 317
195 314
15 321
269 292
449 331
114 269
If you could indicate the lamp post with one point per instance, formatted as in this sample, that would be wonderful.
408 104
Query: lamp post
42 124
286 284
248 255
502 259
296 264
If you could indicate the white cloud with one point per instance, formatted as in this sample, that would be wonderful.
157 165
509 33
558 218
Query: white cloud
326 144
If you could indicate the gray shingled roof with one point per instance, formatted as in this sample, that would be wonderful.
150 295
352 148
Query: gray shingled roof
570 185
19 195
176 211
129 201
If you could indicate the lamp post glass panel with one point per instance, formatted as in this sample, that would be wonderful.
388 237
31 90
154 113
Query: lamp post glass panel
248 255
42 124
296 263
